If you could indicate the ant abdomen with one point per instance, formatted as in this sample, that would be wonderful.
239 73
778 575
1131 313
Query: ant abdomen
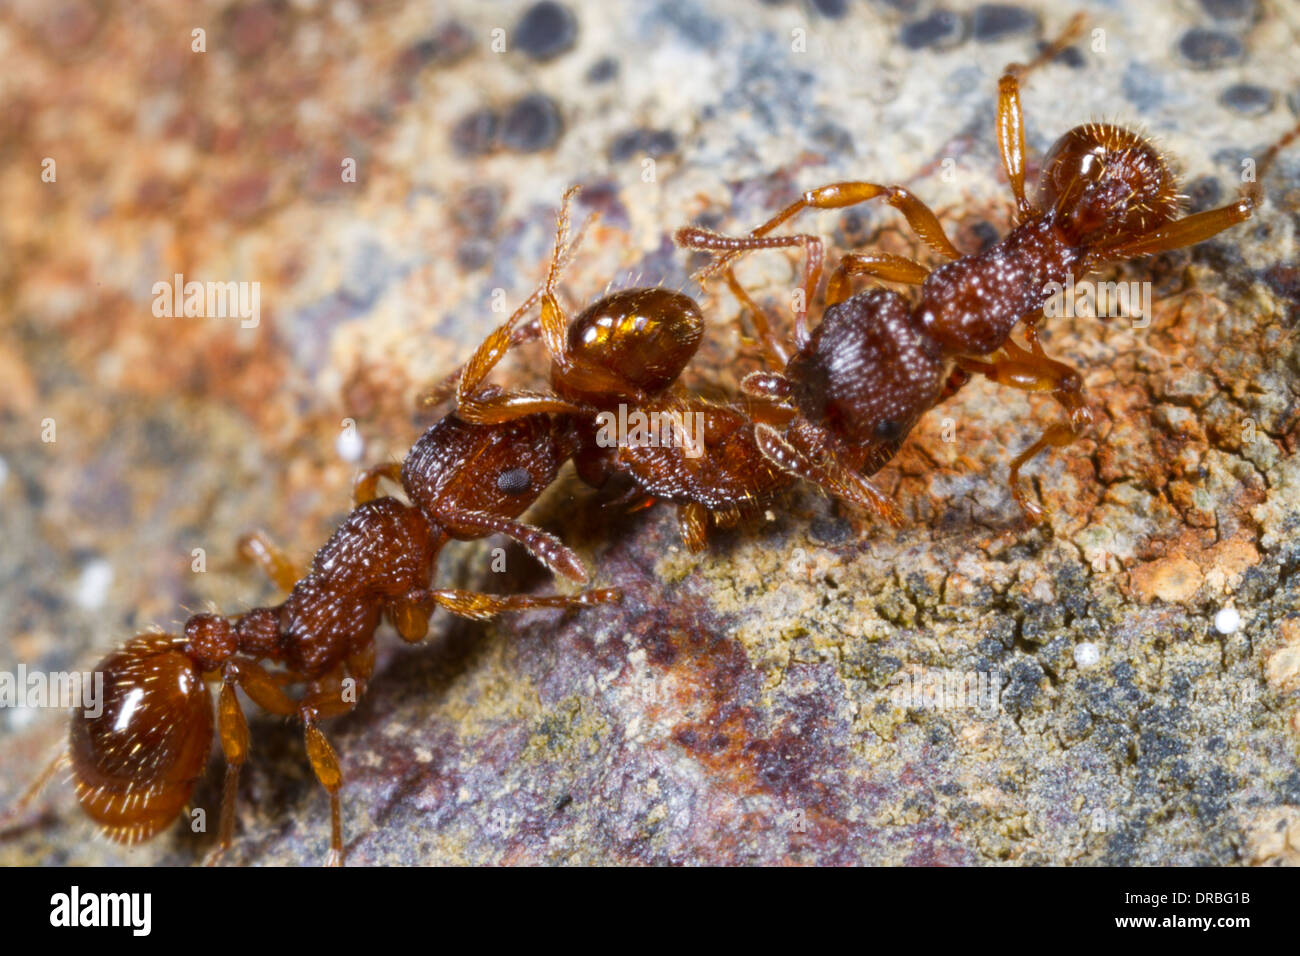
136 763
1105 183
646 336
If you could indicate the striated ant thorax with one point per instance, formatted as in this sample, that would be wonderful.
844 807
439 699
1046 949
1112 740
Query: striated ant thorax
1103 184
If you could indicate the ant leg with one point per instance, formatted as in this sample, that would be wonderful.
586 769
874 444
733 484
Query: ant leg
411 621
19 807
1181 232
482 607
257 547
440 391
366 487
233 733
1058 436
799 457
1033 371
325 764
842 195
705 240
776 352
264 690
1011 124
478 367
879 265
546 548
505 406
693 522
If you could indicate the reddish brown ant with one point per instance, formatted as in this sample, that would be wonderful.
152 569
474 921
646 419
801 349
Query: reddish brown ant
858 383
136 765
628 349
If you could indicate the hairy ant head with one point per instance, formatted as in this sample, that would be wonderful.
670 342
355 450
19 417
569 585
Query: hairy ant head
1106 184
137 762
645 336
486 469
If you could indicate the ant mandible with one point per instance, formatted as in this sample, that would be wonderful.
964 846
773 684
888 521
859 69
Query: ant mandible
857 384
627 350
136 764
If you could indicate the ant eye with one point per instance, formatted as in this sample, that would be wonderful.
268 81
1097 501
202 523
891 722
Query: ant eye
888 430
516 481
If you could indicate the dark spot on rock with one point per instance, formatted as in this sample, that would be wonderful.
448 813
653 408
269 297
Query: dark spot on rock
831 9
997 21
1071 56
475 133
1248 99
940 30
1041 621
853 229
449 43
473 254
253 29
546 30
830 530
908 8
1024 684
1240 12
532 124
984 233
1284 280
563 802
478 208
1210 49
833 139
246 196
695 27
1203 193
603 70
1288 791
654 143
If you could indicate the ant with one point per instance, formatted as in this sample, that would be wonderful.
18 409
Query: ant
857 384
625 352
136 765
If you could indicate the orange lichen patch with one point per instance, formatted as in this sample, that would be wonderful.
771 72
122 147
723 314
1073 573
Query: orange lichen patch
1175 579
1227 561
1282 664
1189 565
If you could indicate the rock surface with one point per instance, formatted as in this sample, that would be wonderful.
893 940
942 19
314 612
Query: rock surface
964 690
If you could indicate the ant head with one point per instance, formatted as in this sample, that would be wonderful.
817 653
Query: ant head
137 761
1106 184
490 469
645 336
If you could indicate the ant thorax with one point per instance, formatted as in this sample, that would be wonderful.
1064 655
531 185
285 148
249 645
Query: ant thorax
970 305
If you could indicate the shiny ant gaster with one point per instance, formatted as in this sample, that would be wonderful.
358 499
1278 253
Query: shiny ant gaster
857 384
629 349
